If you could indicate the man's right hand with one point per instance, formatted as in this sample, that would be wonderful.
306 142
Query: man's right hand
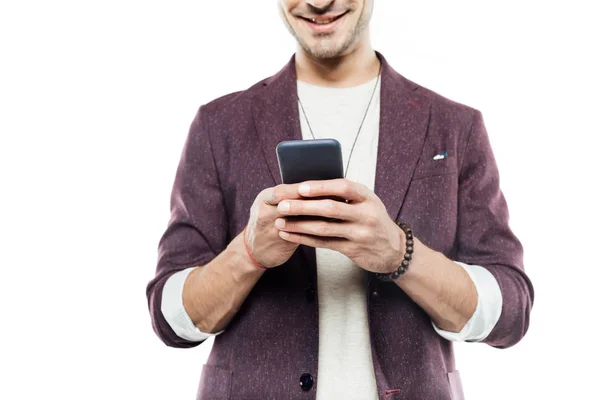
264 243
213 294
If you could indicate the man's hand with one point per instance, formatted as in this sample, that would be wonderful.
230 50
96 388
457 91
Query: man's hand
263 239
364 231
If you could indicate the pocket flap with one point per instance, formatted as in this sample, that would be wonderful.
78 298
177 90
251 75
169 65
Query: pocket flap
430 167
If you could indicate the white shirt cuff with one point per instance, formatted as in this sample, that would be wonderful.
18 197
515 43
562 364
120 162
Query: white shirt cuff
174 312
487 313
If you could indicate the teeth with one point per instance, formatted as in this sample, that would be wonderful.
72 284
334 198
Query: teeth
314 21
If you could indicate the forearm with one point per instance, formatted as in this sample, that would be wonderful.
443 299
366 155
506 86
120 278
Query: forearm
441 287
214 293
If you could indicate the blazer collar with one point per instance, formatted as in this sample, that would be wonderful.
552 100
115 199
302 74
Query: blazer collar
404 117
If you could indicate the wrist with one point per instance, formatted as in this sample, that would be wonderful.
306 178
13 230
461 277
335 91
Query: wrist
398 249
245 264
402 256
249 252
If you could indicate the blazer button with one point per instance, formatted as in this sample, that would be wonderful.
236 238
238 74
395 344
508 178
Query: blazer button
306 381
310 294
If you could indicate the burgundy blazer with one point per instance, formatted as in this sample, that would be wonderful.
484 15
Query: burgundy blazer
454 205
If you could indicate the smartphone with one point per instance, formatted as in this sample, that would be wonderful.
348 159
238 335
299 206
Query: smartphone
310 160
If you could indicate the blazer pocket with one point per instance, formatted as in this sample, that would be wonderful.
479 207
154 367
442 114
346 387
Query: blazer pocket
428 168
456 386
215 383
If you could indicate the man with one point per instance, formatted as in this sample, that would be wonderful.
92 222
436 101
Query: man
365 307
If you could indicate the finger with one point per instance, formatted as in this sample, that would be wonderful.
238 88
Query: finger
320 208
343 188
336 244
316 227
274 195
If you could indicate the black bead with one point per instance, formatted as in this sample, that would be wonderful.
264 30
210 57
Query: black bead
306 381
409 249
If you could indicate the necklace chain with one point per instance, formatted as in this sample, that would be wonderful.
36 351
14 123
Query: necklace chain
359 128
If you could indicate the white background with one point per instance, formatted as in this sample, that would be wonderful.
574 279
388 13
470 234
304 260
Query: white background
95 102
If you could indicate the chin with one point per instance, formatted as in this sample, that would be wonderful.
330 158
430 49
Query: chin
327 47
324 52
328 50
336 45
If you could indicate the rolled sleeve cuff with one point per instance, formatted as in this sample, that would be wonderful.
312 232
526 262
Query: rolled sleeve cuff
487 313
174 312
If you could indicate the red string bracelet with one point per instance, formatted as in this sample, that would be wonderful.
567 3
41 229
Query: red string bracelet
250 255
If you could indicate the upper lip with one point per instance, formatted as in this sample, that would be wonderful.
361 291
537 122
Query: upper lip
322 18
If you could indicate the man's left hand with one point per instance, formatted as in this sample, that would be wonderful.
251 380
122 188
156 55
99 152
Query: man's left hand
359 228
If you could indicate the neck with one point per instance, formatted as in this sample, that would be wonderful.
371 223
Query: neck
351 69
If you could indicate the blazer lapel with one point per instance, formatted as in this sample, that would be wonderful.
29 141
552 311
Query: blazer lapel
275 112
404 118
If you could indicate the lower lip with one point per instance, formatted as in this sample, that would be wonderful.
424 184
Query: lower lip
324 28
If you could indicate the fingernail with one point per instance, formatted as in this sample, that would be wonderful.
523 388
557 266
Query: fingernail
284 206
304 188
280 223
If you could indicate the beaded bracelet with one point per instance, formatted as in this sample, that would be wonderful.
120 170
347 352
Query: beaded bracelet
409 249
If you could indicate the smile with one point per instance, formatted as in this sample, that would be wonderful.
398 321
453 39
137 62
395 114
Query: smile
323 24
